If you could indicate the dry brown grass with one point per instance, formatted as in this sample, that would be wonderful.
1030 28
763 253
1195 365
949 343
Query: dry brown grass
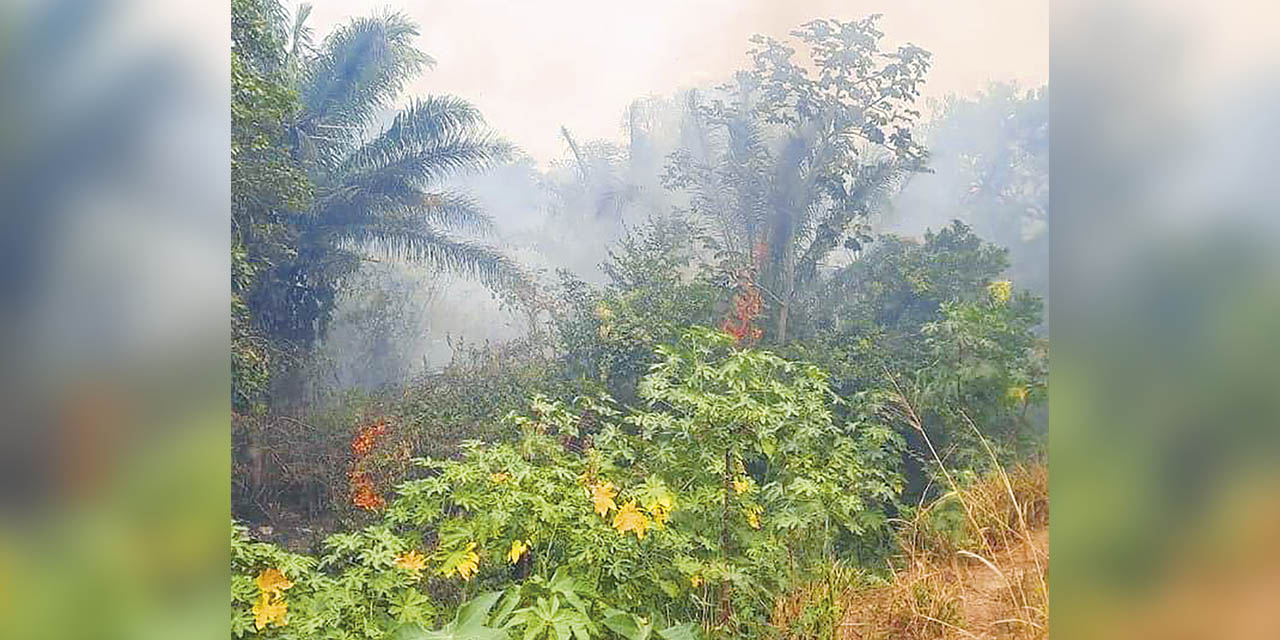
984 575
812 610
991 583
988 582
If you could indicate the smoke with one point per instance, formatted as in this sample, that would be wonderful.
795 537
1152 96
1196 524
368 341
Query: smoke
532 67
989 168
563 217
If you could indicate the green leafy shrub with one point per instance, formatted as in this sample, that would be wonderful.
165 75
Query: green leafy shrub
731 483
353 590
658 287
932 324
733 480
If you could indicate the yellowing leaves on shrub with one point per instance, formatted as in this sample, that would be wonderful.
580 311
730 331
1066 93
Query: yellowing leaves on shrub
695 580
753 517
411 561
518 549
660 509
603 312
500 477
269 610
1000 290
741 484
1018 393
273 583
468 565
602 497
629 518
468 568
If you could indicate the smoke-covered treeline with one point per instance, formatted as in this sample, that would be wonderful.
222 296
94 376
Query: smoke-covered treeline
987 166
989 162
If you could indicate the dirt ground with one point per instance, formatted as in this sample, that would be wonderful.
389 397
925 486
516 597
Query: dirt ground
962 598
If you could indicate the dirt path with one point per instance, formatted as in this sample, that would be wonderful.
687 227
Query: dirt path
963 598
994 604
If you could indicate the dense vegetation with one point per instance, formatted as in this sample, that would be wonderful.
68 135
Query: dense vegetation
748 394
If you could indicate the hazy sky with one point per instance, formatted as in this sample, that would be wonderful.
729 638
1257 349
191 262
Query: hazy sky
532 66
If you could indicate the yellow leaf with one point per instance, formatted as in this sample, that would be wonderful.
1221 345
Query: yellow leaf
660 509
602 497
696 581
753 517
269 611
1018 393
500 477
470 563
629 518
518 549
467 565
411 561
1000 290
741 484
272 582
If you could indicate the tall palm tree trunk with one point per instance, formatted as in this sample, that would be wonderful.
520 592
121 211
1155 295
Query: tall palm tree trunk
788 290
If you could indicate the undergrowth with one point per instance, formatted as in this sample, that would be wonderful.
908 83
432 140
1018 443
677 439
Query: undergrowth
981 575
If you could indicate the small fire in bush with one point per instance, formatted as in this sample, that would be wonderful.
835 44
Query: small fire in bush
363 492
367 437
747 303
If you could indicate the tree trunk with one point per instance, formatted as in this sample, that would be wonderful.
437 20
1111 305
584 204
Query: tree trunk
788 290
725 603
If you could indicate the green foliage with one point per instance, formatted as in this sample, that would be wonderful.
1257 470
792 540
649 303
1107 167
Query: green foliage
990 161
793 152
739 446
633 627
291 470
470 397
919 321
361 588
753 415
987 370
469 623
265 185
314 194
733 482
351 591
656 289
898 285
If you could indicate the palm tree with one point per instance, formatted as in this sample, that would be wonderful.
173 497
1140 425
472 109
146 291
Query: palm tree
377 187
382 192
784 164
781 198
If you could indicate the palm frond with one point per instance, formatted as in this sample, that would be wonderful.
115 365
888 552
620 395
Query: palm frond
423 125
745 169
300 36
456 212
378 191
577 153
412 168
721 169
410 240
615 196
361 67
452 211
873 187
